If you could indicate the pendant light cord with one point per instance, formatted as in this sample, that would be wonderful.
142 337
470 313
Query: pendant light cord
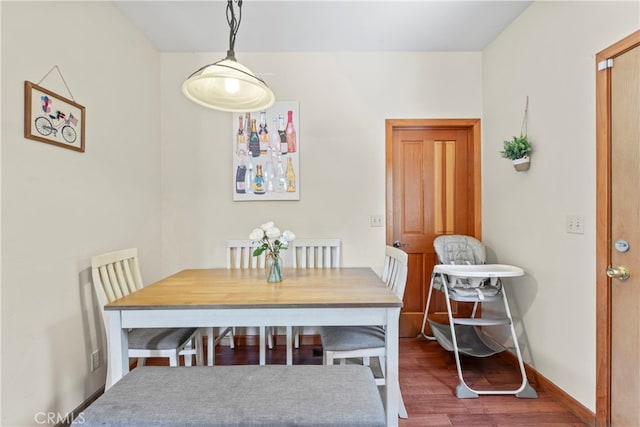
234 24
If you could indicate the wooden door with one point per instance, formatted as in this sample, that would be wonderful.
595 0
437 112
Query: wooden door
433 185
618 234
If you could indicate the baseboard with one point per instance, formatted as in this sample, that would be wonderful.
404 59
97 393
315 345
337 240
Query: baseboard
84 405
543 383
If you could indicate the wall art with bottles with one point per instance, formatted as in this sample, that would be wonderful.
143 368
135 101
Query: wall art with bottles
266 153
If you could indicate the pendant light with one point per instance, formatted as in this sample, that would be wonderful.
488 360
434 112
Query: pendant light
228 85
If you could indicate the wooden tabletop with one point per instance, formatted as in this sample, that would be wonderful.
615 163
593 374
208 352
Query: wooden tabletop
243 288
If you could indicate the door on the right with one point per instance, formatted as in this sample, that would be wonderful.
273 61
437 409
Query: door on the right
625 227
618 358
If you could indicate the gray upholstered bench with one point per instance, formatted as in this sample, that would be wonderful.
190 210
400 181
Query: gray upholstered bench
248 395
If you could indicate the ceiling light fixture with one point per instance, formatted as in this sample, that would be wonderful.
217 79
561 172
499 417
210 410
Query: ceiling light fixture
228 85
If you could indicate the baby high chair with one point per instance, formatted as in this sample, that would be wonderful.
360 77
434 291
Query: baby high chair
463 276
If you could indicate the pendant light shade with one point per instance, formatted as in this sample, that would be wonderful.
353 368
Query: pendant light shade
228 85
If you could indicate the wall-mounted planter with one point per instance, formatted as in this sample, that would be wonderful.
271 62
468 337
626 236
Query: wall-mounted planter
518 148
521 164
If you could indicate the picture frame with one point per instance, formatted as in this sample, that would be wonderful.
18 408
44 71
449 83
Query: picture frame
52 118
269 167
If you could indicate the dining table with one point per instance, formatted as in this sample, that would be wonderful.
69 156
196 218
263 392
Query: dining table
220 297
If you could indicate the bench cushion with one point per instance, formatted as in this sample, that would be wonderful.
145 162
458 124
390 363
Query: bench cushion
248 395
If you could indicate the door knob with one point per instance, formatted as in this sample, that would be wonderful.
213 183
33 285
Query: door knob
621 272
398 244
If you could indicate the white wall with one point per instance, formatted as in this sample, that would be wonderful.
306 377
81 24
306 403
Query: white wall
548 53
157 174
60 207
344 100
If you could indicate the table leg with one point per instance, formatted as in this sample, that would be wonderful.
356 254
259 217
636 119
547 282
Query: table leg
392 389
263 356
211 355
118 349
289 331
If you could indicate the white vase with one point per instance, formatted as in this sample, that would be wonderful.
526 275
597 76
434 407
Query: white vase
521 164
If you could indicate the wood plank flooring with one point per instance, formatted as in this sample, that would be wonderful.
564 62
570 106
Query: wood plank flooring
428 379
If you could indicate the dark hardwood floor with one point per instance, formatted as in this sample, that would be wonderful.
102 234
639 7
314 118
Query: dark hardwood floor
428 378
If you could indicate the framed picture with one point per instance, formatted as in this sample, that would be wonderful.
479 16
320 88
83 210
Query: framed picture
51 118
266 153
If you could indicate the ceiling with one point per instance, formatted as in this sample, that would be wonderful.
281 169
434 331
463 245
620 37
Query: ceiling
329 26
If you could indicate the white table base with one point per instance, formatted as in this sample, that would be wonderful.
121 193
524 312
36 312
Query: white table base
121 320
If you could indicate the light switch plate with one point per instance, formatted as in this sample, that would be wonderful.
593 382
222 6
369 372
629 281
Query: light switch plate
377 220
575 224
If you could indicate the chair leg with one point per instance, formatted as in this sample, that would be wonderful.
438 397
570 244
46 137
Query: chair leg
187 353
382 365
402 410
232 335
198 346
271 332
327 358
426 312
296 336
141 361
173 359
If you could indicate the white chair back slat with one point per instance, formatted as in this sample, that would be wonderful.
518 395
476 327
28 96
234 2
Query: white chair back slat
108 290
394 274
316 253
240 255
134 269
116 274
116 284
127 273
124 280
303 256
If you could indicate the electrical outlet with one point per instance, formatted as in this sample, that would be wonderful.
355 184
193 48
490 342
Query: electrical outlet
377 220
575 224
95 360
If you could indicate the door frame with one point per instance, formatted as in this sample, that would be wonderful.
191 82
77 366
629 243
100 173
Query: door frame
603 227
473 129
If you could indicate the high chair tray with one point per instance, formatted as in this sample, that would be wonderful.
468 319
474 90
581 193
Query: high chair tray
481 270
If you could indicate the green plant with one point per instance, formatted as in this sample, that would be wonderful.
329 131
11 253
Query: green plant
516 148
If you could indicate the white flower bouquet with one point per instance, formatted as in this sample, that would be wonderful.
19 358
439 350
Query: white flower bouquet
272 241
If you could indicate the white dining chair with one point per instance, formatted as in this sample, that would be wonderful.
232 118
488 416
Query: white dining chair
345 342
117 274
240 256
313 253
316 253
